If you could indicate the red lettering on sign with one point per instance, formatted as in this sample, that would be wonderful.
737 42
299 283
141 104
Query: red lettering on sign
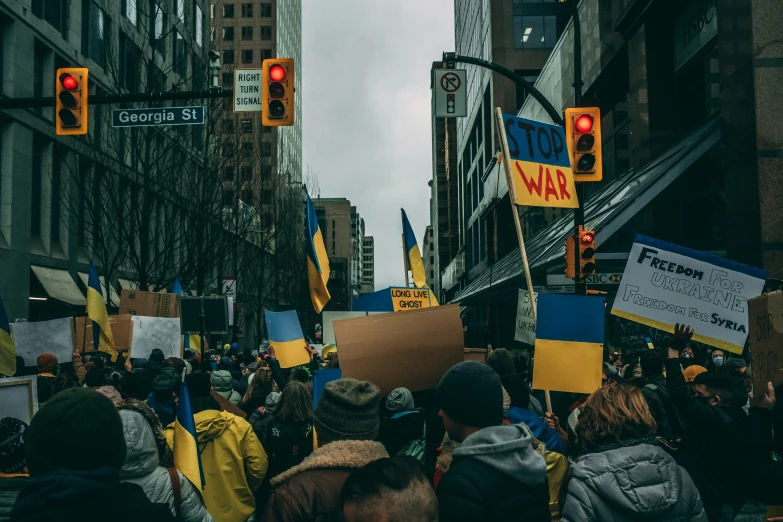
562 181
531 184
550 186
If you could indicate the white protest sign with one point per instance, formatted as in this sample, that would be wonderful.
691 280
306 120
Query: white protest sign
54 337
19 397
155 332
525 325
665 284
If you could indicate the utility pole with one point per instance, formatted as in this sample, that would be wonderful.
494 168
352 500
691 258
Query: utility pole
580 288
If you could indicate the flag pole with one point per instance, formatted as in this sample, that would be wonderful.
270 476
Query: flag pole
404 257
515 211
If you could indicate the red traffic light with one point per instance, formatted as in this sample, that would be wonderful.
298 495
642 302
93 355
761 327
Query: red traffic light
584 123
277 73
69 82
587 238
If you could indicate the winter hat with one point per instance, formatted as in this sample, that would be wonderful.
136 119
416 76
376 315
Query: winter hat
471 394
400 399
64 423
692 371
348 410
110 392
47 363
271 400
166 382
501 361
735 363
156 355
12 434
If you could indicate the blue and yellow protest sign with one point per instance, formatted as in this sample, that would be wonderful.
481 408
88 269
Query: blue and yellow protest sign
540 164
569 343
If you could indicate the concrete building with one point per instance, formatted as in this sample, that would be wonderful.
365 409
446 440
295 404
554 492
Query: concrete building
691 145
357 245
368 265
429 258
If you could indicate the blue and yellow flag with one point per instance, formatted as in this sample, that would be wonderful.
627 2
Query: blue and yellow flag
569 343
7 348
286 337
413 257
317 260
96 310
187 458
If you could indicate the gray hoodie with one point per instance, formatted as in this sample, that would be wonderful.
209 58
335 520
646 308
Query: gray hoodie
509 450
640 482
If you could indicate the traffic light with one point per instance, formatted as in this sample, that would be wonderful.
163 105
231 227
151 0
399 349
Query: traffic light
72 89
277 92
583 133
570 257
586 252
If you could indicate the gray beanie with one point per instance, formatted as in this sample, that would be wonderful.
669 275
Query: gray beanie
400 399
348 410
271 400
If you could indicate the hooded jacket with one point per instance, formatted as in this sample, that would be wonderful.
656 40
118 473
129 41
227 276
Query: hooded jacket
495 475
221 381
10 486
632 483
142 467
234 463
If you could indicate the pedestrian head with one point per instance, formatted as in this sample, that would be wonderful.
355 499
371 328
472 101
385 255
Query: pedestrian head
64 381
716 389
273 399
610 376
95 378
718 357
199 385
260 384
692 371
177 364
614 416
295 405
110 392
651 364
501 361
347 410
470 397
12 439
67 420
47 363
166 383
737 366
389 490
156 356
301 375
399 400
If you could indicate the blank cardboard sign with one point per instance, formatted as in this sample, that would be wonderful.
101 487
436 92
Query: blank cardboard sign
411 349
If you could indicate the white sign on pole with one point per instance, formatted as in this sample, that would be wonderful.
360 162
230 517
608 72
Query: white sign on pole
247 90
54 337
525 325
451 93
665 284
155 332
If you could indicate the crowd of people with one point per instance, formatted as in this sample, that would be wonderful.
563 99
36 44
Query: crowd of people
662 439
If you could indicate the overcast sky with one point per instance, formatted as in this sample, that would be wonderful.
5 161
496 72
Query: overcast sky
366 110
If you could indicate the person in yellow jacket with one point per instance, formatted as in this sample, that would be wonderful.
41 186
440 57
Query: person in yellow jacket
232 457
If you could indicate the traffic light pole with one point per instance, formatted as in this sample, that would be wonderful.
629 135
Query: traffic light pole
580 287
104 99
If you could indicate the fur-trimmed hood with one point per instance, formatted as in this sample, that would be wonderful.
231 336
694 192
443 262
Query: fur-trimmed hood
340 454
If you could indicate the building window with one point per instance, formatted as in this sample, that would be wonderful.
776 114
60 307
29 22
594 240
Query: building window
247 173
266 54
247 196
129 64
535 32
531 77
180 62
198 26
157 79
228 150
156 28
265 32
267 196
94 23
228 125
228 34
247 56
228 78
228 57
266 10
228 174
36 187
266 148
228 10
228 198
53 12
179 6
247 33
266 173
129 10
247 126
247 10
247 150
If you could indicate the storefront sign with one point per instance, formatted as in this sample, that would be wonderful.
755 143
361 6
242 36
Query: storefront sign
693 29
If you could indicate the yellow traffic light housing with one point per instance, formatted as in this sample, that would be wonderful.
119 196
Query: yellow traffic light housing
583 133
570 257
586 252
277 92
71 90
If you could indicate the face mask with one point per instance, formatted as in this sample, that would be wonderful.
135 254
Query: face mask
686 355
718 361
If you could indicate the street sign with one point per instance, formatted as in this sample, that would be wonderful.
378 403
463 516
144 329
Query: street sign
594 279
554 289
157 117
247 90
451 93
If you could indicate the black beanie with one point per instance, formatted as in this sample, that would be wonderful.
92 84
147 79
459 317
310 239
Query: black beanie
156 355
501 361
348 410
68 420
471 394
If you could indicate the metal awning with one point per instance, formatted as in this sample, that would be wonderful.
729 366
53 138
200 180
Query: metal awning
59 285
606 211
115 299
125 284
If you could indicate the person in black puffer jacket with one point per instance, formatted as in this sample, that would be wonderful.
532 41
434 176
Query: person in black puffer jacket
496 474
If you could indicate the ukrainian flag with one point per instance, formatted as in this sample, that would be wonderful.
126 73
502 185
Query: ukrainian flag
317 261
413 257
286 337
569 343
192 339
187 458
96 310
7 348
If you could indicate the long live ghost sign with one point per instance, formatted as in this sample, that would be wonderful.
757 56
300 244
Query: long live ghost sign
540 163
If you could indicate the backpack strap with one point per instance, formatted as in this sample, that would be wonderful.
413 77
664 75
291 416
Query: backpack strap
651 386
176 489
